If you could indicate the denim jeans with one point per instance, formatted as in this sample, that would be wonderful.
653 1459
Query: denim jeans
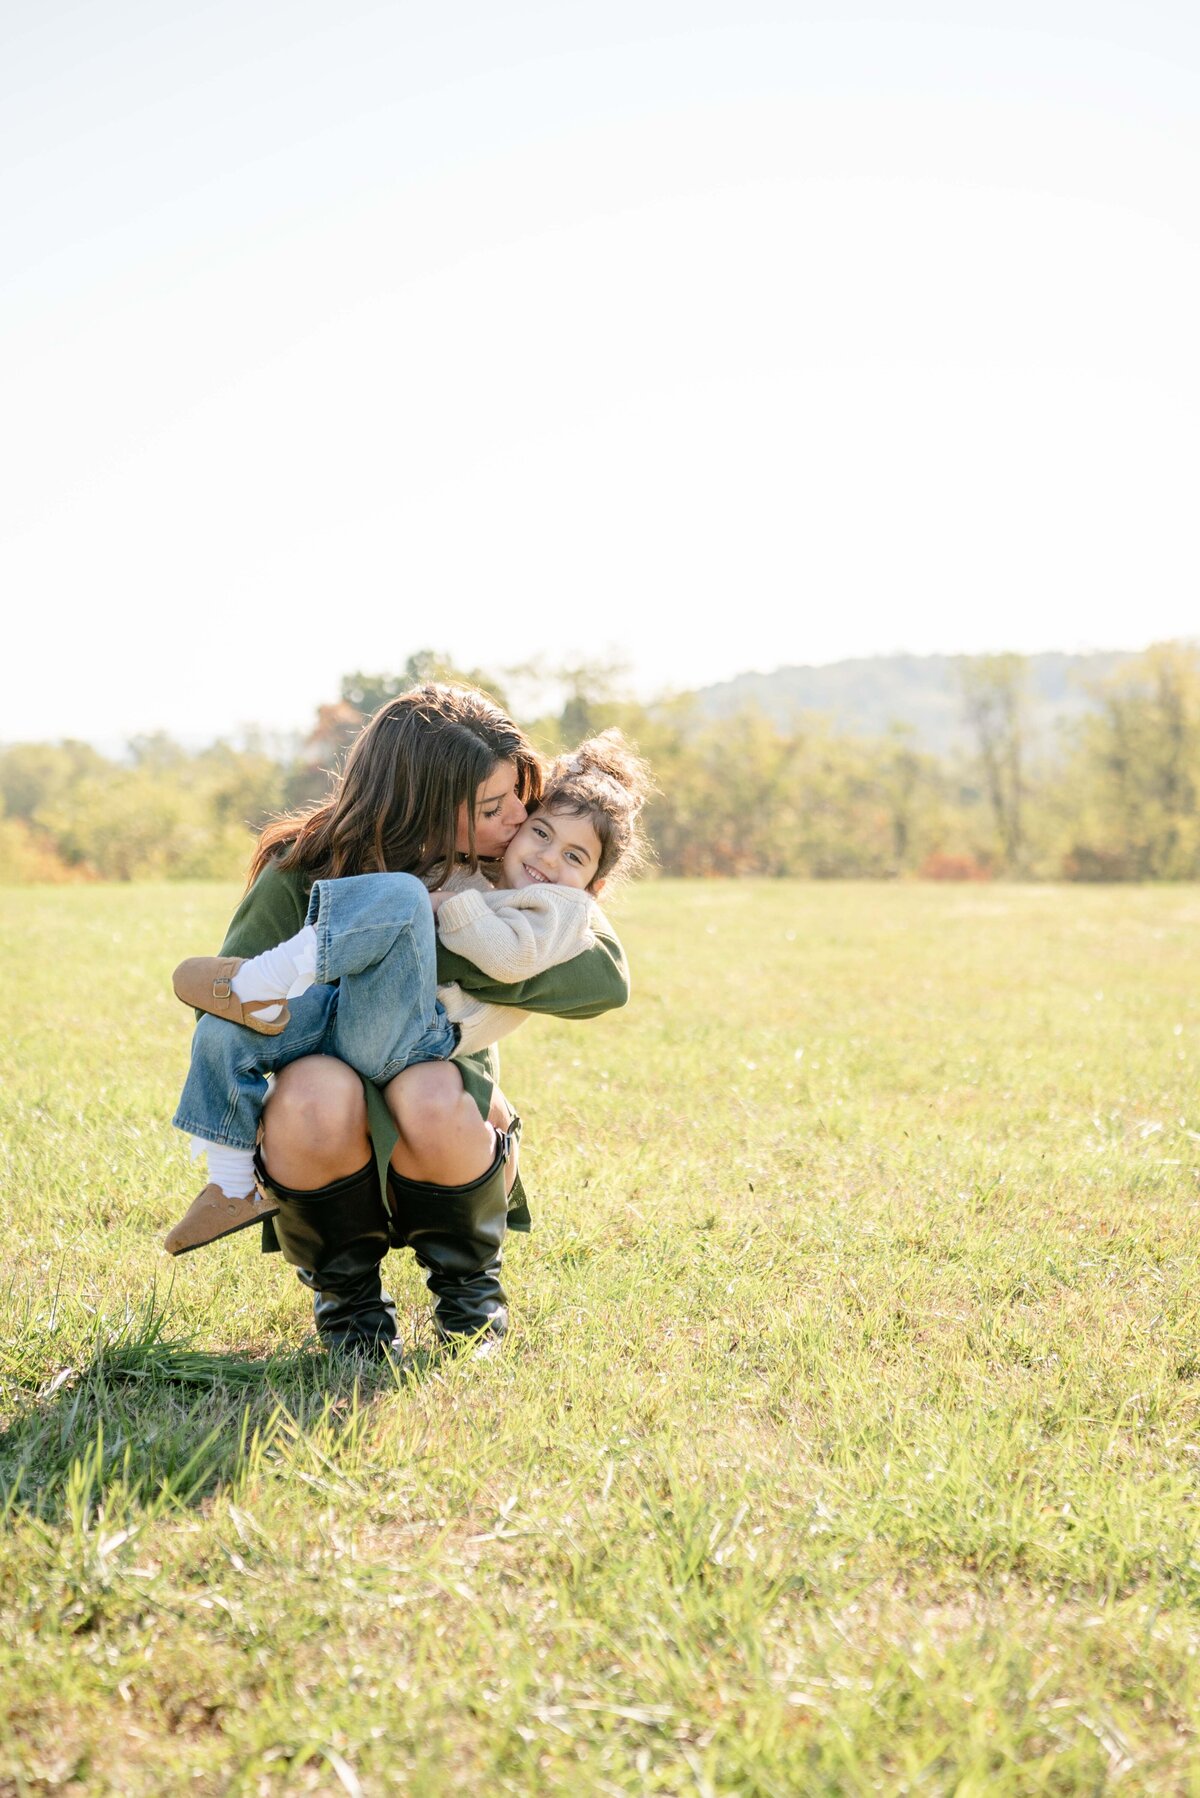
375 1007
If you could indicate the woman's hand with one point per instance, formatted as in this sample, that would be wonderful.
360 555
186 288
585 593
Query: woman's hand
437 900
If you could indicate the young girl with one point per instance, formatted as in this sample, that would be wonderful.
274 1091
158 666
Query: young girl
373 935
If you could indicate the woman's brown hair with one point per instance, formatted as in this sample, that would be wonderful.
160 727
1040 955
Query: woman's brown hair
394 806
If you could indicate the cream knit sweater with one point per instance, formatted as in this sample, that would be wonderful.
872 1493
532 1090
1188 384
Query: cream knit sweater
509 936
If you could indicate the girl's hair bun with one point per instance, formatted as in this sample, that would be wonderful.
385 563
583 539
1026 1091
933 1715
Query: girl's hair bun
610 756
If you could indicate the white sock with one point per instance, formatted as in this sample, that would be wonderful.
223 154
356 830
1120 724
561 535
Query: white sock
283 972
230 1169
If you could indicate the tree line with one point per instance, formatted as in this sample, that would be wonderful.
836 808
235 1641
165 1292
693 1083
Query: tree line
1111 797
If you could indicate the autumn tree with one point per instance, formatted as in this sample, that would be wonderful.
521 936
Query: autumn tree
1139 771
994 692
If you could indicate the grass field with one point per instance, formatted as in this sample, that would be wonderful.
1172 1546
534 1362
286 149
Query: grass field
847 1437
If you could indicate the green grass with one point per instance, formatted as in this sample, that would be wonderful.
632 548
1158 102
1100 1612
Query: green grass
847 1437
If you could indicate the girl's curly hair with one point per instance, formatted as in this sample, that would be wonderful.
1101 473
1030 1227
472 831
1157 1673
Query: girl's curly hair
608 783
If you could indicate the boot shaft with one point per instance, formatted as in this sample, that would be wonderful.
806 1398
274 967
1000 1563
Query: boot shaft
456 1233
336 1237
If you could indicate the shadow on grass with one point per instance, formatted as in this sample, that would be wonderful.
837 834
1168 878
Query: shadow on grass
165 1421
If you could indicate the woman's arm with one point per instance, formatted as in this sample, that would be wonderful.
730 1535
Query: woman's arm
273 910
594 982
589 984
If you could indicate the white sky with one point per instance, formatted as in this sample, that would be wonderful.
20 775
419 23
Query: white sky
712 335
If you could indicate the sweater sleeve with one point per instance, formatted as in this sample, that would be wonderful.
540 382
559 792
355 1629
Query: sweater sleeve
479 1024
511 936
594 982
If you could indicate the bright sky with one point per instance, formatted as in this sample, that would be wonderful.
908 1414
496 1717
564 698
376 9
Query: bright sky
707 334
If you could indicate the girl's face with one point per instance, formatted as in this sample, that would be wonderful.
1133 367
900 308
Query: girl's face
553 846
499 814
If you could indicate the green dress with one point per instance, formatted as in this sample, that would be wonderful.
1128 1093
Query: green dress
596 981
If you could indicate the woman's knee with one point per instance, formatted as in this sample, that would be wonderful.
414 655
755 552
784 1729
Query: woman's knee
441 1136
317 1107
427 1103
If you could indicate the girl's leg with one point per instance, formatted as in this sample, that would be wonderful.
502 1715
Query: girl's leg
376 928
220 1107
282 973
375 938
222 1097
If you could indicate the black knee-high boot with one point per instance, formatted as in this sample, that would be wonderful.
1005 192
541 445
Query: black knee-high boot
457 1233
336 1237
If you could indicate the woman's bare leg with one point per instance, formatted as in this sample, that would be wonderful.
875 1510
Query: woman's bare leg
315 1124
500 1117
443 1140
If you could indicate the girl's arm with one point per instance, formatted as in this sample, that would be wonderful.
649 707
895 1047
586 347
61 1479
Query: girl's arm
511 936
594 982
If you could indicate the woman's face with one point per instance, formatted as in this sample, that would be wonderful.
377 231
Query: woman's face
499 814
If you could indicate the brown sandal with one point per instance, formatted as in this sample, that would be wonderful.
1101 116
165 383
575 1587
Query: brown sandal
204 981
212 1215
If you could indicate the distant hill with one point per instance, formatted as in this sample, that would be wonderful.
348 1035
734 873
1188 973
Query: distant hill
863 697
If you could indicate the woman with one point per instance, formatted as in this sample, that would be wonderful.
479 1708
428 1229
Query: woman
437 780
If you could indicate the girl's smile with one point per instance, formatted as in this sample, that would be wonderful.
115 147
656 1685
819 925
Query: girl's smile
555 847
